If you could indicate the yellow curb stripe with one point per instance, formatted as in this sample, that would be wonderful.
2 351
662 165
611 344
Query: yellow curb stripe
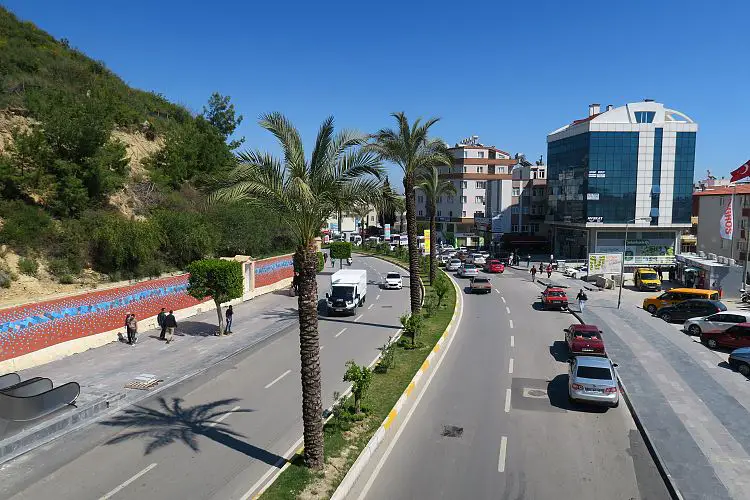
389 419
436 348
425 365
409 388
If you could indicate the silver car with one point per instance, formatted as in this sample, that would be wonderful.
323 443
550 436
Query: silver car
453 265
715 322
468 271
592 380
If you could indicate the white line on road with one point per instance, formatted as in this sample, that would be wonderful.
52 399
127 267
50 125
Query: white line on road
342 331
503 453
512 341
507 400
511 323
278 378
274 468
503 299
370 306
510 366
507 309
358 318
221 418
377 298
123 485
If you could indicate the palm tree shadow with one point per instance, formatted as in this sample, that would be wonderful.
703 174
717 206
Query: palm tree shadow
172 422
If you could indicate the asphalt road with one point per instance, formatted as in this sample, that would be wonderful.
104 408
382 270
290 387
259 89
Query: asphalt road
495 421
169 447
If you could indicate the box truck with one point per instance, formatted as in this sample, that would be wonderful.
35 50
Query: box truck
348 291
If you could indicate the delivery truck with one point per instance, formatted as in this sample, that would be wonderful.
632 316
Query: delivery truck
348 291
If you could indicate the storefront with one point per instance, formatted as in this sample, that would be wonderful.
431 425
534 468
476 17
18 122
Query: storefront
695 272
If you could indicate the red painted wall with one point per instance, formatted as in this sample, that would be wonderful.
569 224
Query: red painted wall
269 271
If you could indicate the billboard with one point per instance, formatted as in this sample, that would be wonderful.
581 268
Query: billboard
387 232
426 241
605 263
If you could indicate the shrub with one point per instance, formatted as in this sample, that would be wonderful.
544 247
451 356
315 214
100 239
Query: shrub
129 248
441 287
321 262
412 326
387 356
222 280
186 237
25 227
243 229
341 250
360 377
28 266
67 279
5 279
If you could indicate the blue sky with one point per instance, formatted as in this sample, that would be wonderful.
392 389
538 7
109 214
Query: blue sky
509 72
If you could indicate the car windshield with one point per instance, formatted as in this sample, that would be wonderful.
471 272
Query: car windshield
648 276
469 266
494 262
588 335
393 276
594 372
455 261
556 294
342 292
481 280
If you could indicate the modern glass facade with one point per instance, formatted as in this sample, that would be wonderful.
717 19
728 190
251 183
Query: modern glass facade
684 166
656 176
567 167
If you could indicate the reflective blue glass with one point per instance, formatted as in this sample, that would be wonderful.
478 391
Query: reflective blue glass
684 167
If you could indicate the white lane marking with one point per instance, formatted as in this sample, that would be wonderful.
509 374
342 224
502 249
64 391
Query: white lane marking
358 318
388 450
507 309
123 485
369 307
377 298
507 400
342 331
503 299
322 347
278 378
512 341
503 453
511 323
274 468
221 418
510 366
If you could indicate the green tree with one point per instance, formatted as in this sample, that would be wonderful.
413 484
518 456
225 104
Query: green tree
123 247
433 187
412 326
411 149
221 114
360 377
222 280
301 190
441 287
340 250
186 236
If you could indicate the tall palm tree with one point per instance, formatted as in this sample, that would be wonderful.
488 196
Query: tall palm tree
411 149
434 187
304 192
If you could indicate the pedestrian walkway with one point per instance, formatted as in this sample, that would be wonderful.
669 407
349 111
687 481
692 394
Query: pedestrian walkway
104 372
693 407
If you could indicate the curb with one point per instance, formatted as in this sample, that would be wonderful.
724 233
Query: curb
661 465
356 469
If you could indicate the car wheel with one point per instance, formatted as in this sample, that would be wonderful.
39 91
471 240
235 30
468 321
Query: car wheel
711 343
694 330
651 308
744 369
666 317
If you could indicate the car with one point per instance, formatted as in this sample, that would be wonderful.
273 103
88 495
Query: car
494 266
442 259
554 297
592 379
715 322
646 278
484 253
692 308
677 295
453 265
480 284
739 360
468 270
477 259
577 273
393 281
445 248
734 336
584 339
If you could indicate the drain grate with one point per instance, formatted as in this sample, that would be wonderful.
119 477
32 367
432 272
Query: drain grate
452 431
144 382
386 307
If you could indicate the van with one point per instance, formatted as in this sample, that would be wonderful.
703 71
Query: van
647 279
348 291
677 295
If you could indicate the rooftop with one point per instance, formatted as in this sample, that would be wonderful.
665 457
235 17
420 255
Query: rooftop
743 188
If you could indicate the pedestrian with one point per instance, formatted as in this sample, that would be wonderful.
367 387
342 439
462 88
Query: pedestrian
325 258
229 315
533 273
132 327
549 270
171 323
528 260
160 321
582 298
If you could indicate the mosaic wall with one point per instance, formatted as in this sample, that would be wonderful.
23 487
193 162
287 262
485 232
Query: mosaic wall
269 271
31 327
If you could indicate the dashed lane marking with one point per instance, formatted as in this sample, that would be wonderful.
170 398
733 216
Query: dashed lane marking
510 366
507 309
358 318
511 323
503 453
123 485
503 299
342 331
369 307
512 341
221 418
507 401
377 298
278 378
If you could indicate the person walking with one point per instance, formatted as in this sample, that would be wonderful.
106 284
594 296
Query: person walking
160 321
533 273
229 315
132 327
170 322
549 271
528 260
582 298
325 258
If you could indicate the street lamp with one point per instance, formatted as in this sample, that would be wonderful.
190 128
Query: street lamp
624 250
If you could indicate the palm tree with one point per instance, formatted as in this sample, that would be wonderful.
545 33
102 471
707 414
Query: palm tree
304 192
434 187
362 210
411 149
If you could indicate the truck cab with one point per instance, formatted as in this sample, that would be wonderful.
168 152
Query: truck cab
348 291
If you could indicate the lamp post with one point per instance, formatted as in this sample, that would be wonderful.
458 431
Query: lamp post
624 250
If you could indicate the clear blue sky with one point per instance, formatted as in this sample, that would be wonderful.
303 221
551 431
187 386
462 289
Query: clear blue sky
509 72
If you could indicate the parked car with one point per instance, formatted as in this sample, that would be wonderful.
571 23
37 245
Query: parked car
715 322
480 284
554 297
592 379
688 309
453 265
739 360
393 281
494 266
468 271
646 278
580 273
677 295
734 336
584 339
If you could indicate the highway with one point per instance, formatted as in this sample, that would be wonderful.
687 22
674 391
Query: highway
218 435
495 422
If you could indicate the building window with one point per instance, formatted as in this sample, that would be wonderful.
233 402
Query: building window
420 199
439 213
463 199
514 209
514 228
450 214
463 214
464 184
465 169
450 199
644 116
481 184
516 191
440 199
466 154
421 213
479 199
480 170
480 154
534 228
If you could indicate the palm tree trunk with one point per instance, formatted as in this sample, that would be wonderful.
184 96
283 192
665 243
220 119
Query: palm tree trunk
411 232
309 344
221 318
433 250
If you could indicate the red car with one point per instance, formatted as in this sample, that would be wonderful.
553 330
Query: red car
494 266
554 297
585 340
735 336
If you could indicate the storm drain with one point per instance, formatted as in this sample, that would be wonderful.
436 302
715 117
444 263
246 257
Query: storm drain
386 307
452 431
144 382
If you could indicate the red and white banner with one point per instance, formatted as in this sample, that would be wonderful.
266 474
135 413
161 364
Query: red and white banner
742 172
726 224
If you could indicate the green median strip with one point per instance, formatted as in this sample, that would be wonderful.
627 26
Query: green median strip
346 434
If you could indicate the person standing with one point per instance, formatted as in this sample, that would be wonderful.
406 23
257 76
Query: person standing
533 273
170 322
229 314
160 321
549 270
132 326
582 298
528 260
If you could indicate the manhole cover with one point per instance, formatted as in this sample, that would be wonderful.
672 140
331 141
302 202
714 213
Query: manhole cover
452 431
528 392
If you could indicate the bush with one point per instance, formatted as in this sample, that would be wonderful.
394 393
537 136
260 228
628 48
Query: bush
412 326
5 279
67 279
28 266
341 250
128 248
243 229
441 287
25 228
321 262
360 377
186 237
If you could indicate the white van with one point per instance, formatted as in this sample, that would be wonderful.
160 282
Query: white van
355 239
348 291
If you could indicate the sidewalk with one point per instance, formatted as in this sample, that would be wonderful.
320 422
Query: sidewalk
103 372
693 408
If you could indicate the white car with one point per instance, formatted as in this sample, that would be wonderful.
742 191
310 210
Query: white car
453 265
485 254
576 273
468 271
477 259
393 281
715 322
